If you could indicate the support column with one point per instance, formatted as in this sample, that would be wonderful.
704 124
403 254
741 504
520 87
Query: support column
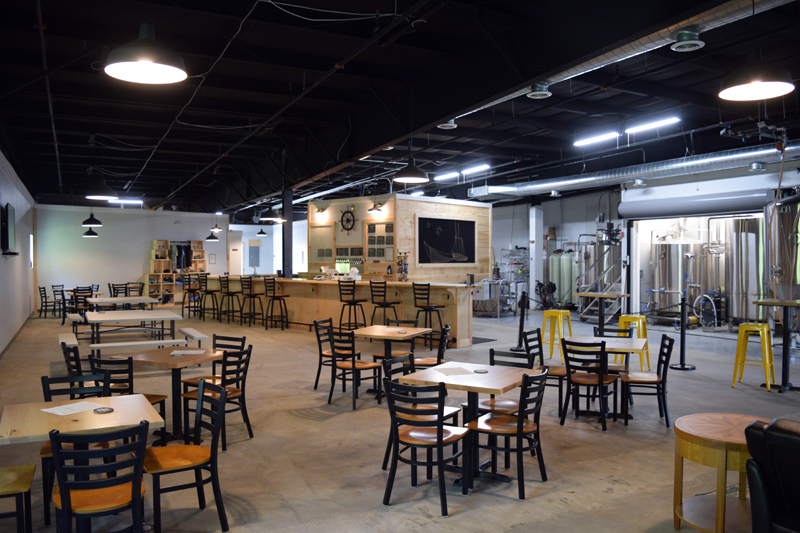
287 232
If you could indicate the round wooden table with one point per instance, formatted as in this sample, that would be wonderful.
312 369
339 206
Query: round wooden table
715 440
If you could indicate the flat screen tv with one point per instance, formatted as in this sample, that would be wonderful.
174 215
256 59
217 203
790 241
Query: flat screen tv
8 231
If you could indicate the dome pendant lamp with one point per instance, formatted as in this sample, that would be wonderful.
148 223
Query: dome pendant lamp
411 174
145 61
92 222
90 234
755 81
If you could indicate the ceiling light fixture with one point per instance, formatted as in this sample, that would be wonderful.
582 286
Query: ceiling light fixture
447 176
261 233
555 194
449 125
90 234
126 201
411 174
597 138
212 238
653 125
418 193
92 222
145 61
475 169
758 166
101 192
375 208
271 216
218 213
639 183
321 209
755 81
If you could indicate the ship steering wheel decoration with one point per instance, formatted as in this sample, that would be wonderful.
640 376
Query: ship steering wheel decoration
348 220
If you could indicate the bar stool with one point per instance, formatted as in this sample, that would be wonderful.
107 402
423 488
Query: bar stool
762 330
206 293
556 318
640 321
347 295
377 291
422 301
251 298
228 295
193 293
15 481
273 297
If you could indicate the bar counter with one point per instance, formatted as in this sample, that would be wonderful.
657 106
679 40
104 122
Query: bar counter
311 300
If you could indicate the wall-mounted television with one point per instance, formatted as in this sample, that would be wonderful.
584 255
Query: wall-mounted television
8 230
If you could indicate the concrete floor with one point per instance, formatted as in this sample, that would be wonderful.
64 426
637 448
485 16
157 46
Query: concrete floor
316 467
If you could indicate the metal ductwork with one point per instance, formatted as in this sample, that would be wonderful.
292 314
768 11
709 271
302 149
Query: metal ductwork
683 166
714 18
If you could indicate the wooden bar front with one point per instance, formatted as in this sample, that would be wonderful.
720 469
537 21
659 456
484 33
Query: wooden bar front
311 300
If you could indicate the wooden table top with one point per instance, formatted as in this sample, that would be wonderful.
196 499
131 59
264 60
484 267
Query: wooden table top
99 300
497 380
600 295
614 344
163 358
716 430
134 315
26 422
778 303
392 333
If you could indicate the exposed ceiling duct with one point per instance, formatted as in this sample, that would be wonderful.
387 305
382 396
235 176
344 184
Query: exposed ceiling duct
683 166
677 33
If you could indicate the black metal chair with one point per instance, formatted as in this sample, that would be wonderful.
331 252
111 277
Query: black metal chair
347 295
346 365
72 360
59 300
89 489
191 292
275 298
587 366
556 374
205 294
251 299
229 295
377 291
15 482
417 423
45 304
650 384
218 342
522 426
163 461
422 301
323 330
614 333
444 335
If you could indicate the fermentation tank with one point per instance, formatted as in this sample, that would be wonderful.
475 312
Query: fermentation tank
781 265
676 268
745 263
554 271
567 286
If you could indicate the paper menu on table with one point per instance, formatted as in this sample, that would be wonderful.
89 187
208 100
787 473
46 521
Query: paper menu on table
176 353
453 371
72 408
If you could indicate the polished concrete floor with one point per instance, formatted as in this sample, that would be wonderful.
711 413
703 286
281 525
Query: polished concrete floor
316 467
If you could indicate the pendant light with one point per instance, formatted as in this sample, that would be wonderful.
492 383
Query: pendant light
271 216
212 238
411 173
90 234
376 207
216 228
101 192
261 233
92 222
755 81
145 61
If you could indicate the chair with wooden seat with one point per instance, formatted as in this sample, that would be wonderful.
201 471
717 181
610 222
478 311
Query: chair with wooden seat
521 427
767 360
59 299
252 308
587 366
555 318
275 298
233 377
404 365
650 384
78 302
443 335
163 461
205 294
218 342
15 482
422 301
45 304
74 386
191 292
627 333
640 323
88 489
377 292
347 295
405 347
231 297
73 361
323 330
346 365
120 374
556 374
417 428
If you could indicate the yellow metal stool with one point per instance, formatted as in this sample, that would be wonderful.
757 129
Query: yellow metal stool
626 321
762 330
556 318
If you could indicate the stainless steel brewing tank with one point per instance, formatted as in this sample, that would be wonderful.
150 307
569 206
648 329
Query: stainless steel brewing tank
782 266
597 259
676 266
745 262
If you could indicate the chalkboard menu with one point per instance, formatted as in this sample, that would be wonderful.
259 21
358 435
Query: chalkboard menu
444 240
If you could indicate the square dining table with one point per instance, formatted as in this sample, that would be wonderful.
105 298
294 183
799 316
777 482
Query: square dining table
388 334
166 358
475 379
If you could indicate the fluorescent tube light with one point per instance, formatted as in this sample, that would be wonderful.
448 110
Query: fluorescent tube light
475 170
126 201
597 139
446 176
653 125
418 193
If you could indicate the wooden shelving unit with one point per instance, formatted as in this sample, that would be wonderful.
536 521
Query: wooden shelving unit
161 280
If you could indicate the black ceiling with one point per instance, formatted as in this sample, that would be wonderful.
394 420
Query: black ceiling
295 103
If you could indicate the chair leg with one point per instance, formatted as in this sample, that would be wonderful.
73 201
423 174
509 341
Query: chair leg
372 320
245 417
540 457
48 480
201 494
388 452
664 401
223 517
392 471
520 469
603 406
442 490
566 405
156 503
319 370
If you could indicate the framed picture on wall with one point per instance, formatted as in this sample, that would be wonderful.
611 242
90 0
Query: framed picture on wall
381 240
370 252
370 228
379 252
328 252
446 241
371 239
390 239
389 228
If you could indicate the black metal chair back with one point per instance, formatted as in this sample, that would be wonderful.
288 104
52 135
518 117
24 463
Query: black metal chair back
80 386
377 291
72 359
444 337
626 333
221 342
224 284
422 294
78 469
120 373
270 286
531 396
203 281
664 356
347 290
586 357
513 359
209 415
119 289
235 365
397 366
247 284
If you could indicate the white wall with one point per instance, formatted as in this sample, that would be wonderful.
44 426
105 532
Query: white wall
121 253
271 255
17 291
509 228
